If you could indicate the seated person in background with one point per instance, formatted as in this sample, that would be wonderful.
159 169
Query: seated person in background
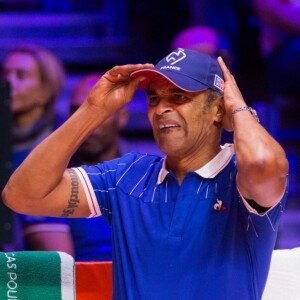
36 78
200 222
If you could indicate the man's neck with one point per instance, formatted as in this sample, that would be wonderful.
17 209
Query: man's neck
183 165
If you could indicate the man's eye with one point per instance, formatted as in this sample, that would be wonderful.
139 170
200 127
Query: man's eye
152 100
179 98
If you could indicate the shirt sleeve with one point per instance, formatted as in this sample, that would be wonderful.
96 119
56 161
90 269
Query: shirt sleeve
89 192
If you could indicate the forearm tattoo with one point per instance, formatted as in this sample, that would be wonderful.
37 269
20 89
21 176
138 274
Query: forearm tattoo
74 199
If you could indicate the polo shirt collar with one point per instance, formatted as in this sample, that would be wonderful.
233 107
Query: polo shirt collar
211 169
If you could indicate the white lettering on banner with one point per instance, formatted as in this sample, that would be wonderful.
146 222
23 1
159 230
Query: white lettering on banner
12 284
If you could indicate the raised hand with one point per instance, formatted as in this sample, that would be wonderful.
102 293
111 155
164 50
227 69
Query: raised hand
115 88
232 95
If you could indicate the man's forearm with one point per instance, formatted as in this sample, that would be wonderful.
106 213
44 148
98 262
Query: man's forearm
261 161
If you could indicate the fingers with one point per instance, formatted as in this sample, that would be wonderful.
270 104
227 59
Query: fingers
123 72
226 73
233 79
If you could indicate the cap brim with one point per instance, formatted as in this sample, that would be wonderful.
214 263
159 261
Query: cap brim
181 81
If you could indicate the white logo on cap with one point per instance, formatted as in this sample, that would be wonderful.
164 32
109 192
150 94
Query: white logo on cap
174 57
219 83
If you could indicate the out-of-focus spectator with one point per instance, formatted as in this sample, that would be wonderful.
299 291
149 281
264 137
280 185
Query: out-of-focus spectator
105 142
204 39
36 77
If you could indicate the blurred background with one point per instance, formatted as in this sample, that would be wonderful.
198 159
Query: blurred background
92 36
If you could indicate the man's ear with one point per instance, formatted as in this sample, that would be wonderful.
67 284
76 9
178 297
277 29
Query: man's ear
221 115
219 109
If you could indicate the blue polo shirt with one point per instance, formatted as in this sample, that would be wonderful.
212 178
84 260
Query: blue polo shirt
197 240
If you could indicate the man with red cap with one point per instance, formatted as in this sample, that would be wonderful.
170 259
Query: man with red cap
199 223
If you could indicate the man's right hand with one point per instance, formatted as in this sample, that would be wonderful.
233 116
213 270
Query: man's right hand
115 88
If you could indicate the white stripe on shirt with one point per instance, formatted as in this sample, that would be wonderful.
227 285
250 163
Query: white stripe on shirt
89 193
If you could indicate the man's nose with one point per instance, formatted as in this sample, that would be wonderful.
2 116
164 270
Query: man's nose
163 106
